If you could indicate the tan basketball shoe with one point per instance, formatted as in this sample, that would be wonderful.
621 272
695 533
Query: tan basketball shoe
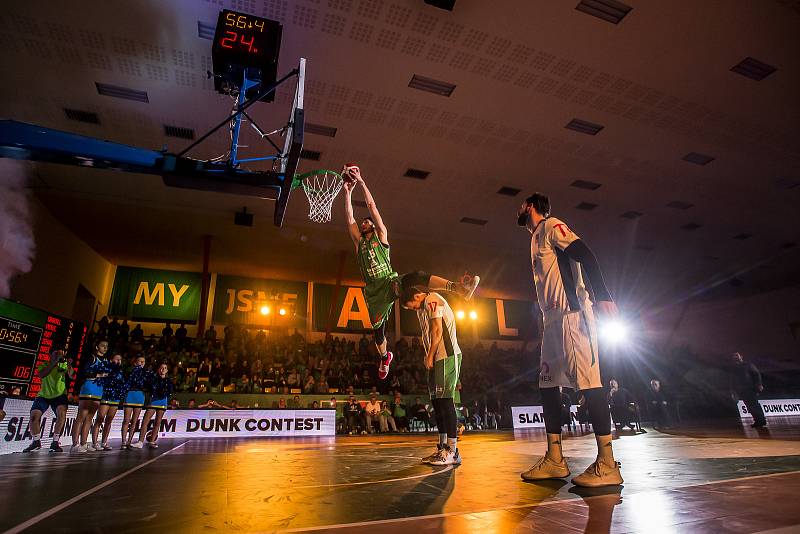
546 469
599 474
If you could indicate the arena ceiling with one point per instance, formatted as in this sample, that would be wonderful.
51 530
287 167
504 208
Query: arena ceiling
690 188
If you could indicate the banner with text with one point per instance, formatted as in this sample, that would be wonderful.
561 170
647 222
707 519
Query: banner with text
16 433
531 416
156 295
482 317
350 313
773 408
258 302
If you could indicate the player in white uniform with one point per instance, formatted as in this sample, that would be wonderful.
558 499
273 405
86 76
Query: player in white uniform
443 361
561 262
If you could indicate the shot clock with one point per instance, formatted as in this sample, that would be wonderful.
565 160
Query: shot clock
242 42
27 338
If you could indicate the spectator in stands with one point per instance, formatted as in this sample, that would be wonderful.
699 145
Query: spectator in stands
294 403
204 371
386 420
192 405
308 382
282 404
174 404
475 415
399 412
420 412
180 336
657 404
16 391
746 384
113 330
137 334
190 381
167 332
215 378
354 415
372 412
211 334
623 405
315 405
124 331
293 379
243 384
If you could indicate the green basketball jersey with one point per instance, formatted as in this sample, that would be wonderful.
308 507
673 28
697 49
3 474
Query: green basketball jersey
373 259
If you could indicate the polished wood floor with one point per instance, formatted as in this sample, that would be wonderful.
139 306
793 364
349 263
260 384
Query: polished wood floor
689 480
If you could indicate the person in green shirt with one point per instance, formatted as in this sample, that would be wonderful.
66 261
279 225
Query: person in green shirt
53 395
383 284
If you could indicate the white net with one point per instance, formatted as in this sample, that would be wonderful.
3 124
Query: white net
321 188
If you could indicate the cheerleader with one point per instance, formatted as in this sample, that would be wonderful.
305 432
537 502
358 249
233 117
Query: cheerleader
160 390
134 400
90 394
113 392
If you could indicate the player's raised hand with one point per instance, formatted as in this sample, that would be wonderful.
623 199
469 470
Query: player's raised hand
355 172
348 186
607 308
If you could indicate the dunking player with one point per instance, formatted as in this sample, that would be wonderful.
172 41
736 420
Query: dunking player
443 362
569 340
383 285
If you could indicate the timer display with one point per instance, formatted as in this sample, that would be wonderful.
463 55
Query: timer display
27 337
242 42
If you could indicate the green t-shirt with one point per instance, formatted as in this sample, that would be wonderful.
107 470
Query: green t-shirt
53 385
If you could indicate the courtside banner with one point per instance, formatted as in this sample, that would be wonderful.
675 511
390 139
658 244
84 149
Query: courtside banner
531 416
16 434
773 408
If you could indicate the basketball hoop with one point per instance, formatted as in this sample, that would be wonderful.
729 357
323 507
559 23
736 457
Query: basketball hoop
321 188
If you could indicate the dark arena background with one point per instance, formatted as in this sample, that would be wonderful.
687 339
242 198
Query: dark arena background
592 206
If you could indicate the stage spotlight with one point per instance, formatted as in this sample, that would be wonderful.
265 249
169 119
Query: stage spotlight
614 331
459 314
473 315
264 310
282 311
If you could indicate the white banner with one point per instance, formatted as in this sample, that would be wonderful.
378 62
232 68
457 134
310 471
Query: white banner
773 408
16 433
531 416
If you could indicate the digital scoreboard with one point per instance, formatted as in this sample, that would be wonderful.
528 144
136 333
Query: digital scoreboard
27 337
242 42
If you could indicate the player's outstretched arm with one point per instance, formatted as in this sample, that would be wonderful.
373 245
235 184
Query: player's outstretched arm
380 228
352 227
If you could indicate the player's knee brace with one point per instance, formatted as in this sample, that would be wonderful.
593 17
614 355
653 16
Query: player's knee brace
599 413
551 408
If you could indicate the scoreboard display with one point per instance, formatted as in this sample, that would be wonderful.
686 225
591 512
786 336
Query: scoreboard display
27 337
243 41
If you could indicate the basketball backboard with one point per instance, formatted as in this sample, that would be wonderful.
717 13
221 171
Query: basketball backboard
292 145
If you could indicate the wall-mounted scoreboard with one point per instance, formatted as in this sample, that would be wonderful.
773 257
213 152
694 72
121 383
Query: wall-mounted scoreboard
27 337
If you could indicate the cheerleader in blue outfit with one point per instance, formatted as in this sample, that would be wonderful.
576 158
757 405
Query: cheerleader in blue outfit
138 380
114 389
90 394
160 391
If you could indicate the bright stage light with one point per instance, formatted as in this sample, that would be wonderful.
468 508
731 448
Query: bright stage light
264 310
473 315
282 311
459 314
614 331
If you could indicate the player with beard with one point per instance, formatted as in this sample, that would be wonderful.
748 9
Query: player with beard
569 356
383 284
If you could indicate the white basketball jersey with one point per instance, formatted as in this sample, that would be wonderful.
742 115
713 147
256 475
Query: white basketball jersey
432 307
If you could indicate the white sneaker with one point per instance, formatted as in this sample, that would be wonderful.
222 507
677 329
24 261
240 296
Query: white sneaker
546 469
107 447
427 459
90 447
74 448
82 449
470 285
446 456
153 445
137 444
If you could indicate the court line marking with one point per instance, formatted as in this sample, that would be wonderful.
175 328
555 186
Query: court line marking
384 481
57 508
509 507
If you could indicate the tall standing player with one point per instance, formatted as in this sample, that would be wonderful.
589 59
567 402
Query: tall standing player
443 362
383 284
569 339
